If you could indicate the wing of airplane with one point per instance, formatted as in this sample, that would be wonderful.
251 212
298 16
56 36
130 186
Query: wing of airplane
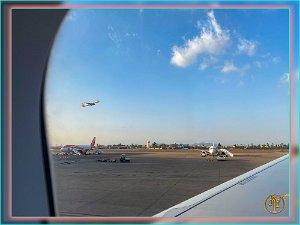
248 195
77 152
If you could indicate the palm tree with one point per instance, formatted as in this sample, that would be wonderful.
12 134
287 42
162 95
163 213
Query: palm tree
154 145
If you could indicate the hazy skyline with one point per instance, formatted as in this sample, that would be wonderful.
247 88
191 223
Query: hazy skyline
168 76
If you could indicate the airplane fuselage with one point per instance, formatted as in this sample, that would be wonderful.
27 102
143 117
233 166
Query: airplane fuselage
79 149
213 150
84 104
68 148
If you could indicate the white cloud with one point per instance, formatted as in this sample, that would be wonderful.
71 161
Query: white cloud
230 67
203 65
158 52
275 60
284 78
246 46
266 55
258 64
211 39
207 62
71 16
131 34
244 68
113 36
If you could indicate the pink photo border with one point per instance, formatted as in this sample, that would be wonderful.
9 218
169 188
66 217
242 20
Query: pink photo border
148 219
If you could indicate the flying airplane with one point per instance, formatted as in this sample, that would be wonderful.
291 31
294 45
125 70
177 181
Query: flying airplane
84 104
215 151
79 149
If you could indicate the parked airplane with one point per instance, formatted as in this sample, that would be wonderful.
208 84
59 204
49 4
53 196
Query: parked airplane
79 149
215 151
84 104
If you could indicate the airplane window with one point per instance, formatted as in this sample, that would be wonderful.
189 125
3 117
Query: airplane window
132 121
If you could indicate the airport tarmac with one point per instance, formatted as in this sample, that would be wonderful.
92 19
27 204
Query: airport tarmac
152 182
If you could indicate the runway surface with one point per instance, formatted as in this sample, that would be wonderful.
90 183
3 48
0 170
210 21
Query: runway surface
150 183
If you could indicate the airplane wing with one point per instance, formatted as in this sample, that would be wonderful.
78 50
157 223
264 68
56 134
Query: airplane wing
76 152
244 196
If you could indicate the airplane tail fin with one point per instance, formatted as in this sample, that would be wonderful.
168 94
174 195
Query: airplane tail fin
93 142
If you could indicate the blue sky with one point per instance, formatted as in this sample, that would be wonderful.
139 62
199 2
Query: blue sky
170 75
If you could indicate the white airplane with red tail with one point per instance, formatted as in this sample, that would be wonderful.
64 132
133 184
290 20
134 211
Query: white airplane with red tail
84 104
79 149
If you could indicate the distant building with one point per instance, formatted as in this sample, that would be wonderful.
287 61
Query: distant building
148 144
